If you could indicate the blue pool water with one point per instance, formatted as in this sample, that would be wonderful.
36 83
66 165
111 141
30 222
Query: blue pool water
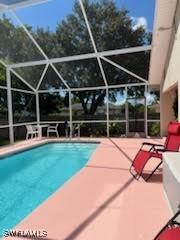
30 177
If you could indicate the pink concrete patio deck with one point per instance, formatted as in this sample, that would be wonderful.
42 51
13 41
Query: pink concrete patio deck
103 201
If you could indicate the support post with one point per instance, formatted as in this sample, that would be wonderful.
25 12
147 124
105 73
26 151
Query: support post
37 108
126 112
146 112
107 111
10 109
70 115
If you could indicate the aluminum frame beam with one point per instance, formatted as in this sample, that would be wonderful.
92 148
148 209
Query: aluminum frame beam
107 112
17 90
23 4
42 76
70 114
3 87
18 76
22 79
10 109
22 91
93 41
83 56
3 63
94 88
37 109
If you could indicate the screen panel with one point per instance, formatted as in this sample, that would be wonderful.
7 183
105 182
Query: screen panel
18 83
136 91
93 129
19 133
116 76
54 106
120 23
117 129
153 103
153 129
24 107
58 27
117 102
81 73
4 136
51 81
2 75
3 107
15 44
31 74
89 105
137 63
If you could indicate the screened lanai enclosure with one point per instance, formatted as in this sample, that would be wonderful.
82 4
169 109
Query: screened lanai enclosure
85 62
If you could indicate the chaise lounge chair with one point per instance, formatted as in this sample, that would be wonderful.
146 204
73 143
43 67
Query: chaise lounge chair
171 231
172 144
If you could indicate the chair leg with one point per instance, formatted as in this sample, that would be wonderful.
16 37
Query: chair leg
150 175
79 132
66 132
57 134
135 175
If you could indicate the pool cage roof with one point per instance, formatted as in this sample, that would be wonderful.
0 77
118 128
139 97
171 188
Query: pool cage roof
80 48
106 59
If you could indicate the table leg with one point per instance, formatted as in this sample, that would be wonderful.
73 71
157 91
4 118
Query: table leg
39 132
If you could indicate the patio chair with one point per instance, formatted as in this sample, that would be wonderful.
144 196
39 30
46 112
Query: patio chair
66 128
171 231
77 130
172 144
31 131
53 129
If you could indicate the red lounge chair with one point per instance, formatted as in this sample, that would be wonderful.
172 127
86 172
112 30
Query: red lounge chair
171 231
172 144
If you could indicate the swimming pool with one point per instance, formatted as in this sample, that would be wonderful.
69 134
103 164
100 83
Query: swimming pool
30 177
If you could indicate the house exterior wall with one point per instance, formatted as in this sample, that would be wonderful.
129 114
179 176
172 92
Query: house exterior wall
173 62
167 114
172 76
173 71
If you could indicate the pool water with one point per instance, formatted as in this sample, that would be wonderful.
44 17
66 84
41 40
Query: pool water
30 177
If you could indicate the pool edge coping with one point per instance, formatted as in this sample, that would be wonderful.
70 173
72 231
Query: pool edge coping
46 141
23 148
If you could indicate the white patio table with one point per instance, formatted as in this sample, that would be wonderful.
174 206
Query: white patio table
40 128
